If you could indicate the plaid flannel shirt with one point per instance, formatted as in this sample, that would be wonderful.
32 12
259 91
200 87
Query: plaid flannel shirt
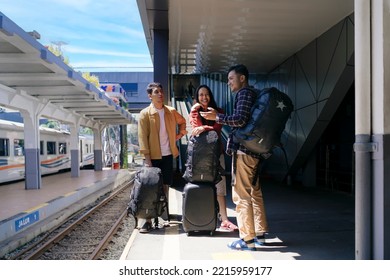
244 101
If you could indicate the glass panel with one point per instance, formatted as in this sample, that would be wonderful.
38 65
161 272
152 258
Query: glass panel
19 147
4 147
51 148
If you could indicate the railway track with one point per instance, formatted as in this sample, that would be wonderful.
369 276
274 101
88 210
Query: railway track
90 235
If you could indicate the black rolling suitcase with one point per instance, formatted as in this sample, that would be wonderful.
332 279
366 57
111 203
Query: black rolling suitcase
199 208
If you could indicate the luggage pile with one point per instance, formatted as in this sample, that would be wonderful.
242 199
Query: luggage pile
200 207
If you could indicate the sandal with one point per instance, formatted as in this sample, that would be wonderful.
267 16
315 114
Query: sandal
228 225
240 244
260 240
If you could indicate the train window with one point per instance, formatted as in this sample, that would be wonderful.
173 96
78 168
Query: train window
62 148
41 146
51 147
4 147
86 148
19 147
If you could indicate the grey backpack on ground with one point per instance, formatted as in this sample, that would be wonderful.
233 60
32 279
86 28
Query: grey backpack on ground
147 198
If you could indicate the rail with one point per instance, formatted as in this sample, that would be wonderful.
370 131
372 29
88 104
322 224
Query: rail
86 236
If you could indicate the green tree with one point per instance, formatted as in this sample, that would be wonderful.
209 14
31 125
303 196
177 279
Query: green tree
124 156
85 130
92 79
52 124
133 134
56 50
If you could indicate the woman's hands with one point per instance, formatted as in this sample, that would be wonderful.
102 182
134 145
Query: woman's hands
197 130
195 107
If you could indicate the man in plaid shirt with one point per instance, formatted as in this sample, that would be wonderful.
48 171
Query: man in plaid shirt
247 193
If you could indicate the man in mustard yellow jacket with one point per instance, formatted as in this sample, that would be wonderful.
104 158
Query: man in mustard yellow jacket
160 126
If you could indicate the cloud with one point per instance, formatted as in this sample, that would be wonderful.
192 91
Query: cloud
112 66
77 50
92 30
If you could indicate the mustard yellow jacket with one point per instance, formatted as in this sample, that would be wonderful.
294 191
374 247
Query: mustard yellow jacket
149 127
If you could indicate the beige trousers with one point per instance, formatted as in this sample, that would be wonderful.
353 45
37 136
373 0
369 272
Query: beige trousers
248 197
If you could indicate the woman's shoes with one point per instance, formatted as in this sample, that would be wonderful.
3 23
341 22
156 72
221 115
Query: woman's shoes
228 225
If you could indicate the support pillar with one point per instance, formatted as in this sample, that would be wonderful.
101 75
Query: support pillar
98 150
380 54
161 60
372 146
31 150
74 150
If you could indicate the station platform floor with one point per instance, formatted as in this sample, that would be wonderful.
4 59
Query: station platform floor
24 214
305 224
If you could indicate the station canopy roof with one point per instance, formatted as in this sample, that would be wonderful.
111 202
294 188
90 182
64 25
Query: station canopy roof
209 36
29 71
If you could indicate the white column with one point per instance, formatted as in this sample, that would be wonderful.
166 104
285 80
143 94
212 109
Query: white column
380 54
363 129
74 150
31 149
98 150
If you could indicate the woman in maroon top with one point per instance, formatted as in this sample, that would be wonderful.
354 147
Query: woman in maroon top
204 99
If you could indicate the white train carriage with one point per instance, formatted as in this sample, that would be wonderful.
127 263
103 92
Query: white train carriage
54 151
86 151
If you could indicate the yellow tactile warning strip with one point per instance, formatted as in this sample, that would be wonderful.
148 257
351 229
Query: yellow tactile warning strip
69 193
36 208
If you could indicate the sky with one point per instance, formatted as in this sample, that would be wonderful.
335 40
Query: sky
95 35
